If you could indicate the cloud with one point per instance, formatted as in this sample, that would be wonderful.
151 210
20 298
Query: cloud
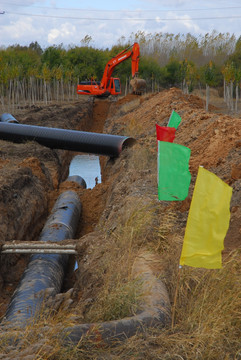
21 30
185 22
56 25
62 34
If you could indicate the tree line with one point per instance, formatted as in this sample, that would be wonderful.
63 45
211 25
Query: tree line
29 74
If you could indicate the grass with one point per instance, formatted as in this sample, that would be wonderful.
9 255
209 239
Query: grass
116 301
119 294
129 106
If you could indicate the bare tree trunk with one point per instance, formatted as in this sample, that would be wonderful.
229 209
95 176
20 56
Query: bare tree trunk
18 92
236 98
41 92
224 91
231 96
45 93
57 90
126 87
23 91
2 98
49 92
13 95
207 96
32 82
227 96
62 88
129 86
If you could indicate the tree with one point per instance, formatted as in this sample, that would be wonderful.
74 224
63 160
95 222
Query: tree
210 76
86 40
53 56
36 47
174 75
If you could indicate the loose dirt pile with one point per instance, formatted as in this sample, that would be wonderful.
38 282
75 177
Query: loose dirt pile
214 140
122 216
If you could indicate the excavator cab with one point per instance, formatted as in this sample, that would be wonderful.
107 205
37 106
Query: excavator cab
115 86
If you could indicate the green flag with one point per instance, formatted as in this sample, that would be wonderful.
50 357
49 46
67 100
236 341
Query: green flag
173 174
174 120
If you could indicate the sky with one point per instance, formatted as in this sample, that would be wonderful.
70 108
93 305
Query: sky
54 22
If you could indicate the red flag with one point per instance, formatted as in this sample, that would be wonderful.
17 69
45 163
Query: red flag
164 133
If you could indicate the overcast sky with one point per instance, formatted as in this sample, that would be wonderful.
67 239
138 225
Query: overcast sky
52 22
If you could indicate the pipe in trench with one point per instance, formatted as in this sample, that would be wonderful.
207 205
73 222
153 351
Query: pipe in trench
8 118
77 179
54 138
45 270
154 312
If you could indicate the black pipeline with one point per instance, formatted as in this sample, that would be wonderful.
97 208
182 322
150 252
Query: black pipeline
46 271
54 138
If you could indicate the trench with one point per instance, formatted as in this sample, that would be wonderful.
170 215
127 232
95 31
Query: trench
88 167
151 315
12 266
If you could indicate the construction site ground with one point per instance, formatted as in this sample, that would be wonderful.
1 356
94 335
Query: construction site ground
121 216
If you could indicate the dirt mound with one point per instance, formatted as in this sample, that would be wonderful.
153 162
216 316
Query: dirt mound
214 139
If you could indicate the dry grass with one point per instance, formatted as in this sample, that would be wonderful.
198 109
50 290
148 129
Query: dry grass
129 106
133 127
208 320
208 311
119 293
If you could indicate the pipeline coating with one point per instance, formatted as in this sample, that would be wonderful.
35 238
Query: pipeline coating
45 271
78 179
155 311
54 138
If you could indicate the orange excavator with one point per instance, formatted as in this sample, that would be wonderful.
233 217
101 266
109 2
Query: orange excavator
109 85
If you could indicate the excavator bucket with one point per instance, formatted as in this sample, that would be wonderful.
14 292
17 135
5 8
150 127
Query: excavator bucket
138 86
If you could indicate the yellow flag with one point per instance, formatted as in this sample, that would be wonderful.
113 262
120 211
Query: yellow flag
207 222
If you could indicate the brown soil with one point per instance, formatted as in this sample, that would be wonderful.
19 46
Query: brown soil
31 176
214 140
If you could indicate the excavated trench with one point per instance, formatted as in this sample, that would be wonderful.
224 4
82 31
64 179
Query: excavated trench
41 176
31 179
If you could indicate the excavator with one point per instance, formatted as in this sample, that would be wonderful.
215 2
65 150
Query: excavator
110 85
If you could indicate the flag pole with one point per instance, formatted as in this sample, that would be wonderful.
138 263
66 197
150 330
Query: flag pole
175 296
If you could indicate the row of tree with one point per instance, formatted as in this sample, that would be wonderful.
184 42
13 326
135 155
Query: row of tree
29 74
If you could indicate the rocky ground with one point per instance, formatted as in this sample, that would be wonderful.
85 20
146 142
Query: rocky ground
124 208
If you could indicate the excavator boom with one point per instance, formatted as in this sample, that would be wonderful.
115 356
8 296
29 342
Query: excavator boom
134 53
109 85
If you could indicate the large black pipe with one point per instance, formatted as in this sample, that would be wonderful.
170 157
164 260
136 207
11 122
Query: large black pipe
54 138
45 271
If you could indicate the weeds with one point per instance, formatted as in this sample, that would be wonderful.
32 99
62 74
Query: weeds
117 301
129 106
133 127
